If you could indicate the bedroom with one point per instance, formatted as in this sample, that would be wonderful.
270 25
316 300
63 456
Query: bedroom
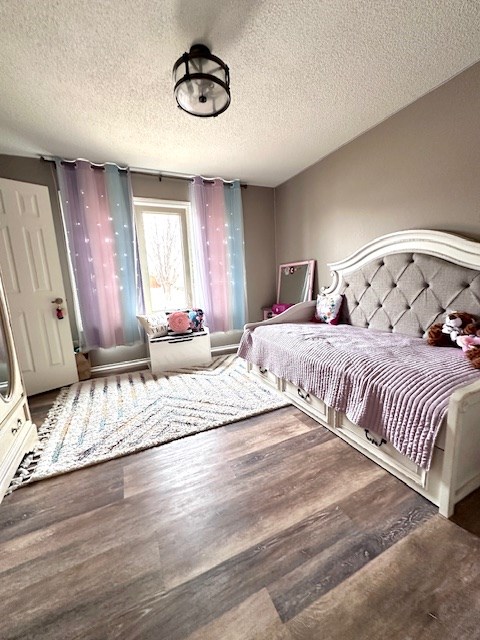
402 153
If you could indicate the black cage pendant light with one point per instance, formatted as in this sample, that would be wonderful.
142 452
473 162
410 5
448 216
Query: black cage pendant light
202 83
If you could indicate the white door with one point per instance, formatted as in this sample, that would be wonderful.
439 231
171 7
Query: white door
32 277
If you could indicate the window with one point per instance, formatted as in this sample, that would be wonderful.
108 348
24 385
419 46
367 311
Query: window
163 239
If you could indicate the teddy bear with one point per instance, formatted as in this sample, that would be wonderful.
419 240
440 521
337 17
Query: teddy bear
446 334
473 355
472 329
470 343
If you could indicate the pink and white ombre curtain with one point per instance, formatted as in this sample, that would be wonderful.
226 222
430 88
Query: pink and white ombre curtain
219 256
100 231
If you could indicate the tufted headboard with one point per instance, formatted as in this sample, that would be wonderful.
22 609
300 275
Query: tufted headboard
406 281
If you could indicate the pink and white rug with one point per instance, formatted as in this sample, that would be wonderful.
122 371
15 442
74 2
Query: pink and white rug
105 418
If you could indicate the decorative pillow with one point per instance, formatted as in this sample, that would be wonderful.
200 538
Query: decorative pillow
179 322
155 325
327 309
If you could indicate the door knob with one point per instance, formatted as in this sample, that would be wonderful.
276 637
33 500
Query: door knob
59 310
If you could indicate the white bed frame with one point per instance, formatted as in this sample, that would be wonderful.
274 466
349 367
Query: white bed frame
455 469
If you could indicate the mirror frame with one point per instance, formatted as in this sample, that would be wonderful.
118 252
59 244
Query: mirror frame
310 270
4 338
15 389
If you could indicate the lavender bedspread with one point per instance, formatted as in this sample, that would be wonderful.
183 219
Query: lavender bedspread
392 384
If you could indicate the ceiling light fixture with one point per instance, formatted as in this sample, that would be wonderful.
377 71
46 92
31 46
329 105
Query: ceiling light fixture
202 83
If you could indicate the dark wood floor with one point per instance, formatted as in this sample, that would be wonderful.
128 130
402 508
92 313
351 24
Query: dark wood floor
267 529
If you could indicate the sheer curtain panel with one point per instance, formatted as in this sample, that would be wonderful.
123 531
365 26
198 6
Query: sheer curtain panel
100 232
218 253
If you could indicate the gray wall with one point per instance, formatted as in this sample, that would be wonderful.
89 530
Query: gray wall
258 210
418 169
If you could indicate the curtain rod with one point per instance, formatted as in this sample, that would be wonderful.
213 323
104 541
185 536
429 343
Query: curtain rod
146 172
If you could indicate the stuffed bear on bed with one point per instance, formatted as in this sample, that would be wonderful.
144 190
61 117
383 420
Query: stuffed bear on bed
446 334
460 329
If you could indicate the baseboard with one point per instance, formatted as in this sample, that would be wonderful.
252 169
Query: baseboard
120 367
224 348
143 363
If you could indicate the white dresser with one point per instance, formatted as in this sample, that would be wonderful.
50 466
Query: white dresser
179 351
18 435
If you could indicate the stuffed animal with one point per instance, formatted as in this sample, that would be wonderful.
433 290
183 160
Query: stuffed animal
472 329
470 343
446 334
473 355
196 319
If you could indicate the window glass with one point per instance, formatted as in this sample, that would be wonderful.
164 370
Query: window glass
164 255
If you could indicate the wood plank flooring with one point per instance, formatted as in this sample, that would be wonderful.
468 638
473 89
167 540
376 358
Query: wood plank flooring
267 529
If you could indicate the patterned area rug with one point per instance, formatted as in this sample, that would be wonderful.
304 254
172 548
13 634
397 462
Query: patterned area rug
105 418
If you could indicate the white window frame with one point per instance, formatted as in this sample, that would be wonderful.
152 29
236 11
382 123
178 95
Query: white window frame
184 210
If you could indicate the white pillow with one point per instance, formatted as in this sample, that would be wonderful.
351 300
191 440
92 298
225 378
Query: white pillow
327 308
155 325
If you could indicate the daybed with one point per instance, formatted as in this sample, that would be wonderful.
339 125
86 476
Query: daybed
394 288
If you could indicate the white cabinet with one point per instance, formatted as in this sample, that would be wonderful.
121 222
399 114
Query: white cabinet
179 351
18 435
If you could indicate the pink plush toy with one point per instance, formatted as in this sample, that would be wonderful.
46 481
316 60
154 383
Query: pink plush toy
179 322
468 342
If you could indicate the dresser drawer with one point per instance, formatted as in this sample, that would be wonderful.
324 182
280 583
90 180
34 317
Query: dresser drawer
307 402
441 436
378 449
265 375
13 429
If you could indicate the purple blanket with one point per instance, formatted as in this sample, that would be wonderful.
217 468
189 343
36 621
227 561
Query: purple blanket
392 384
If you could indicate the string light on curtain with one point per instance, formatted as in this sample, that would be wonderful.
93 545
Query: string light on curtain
202 83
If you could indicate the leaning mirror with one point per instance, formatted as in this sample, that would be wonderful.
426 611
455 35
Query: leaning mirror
5 374
295 282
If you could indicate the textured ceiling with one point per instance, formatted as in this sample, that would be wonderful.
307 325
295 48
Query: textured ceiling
93 79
